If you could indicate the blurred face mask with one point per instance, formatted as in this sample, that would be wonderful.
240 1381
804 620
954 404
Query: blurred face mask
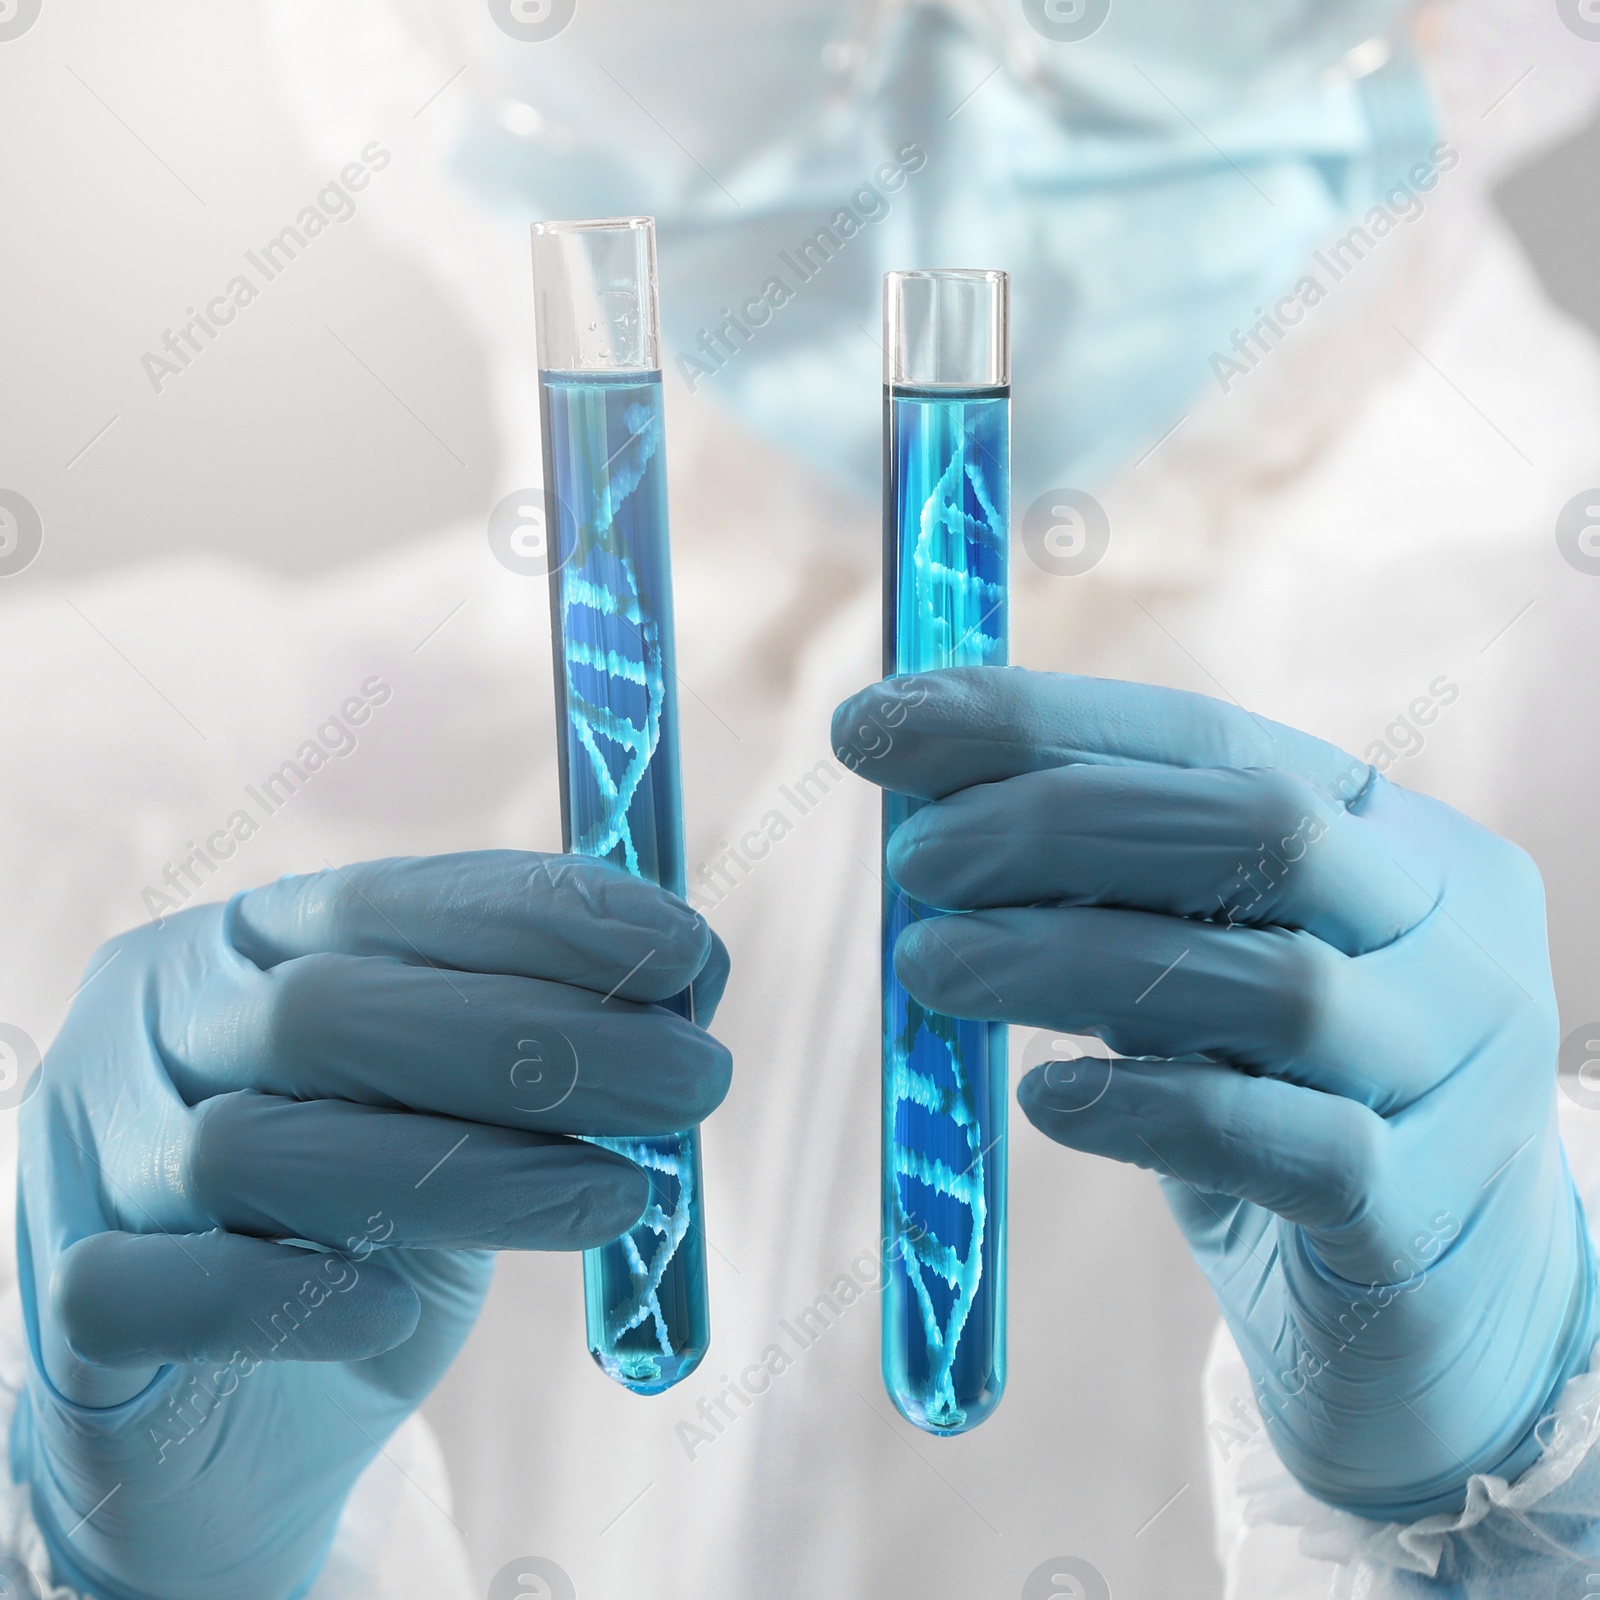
1156 180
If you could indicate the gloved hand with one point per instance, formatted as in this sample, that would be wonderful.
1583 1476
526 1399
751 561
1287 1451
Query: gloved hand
384 1060
1334 1000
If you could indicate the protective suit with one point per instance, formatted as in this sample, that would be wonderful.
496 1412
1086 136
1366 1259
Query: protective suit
1352 535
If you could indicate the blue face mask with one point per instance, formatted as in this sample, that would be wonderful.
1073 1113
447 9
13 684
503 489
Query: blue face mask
1157 191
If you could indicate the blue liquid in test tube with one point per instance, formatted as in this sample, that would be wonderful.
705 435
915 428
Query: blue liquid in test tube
947 468
648 1313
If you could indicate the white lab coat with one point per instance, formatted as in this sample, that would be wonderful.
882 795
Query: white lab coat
1404 547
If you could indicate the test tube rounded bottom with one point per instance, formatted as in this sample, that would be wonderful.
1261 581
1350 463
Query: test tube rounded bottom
648 1312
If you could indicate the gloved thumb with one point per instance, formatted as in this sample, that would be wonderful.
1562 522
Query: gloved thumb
128 1300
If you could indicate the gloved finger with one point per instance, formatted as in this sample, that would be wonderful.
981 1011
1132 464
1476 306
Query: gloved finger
1313 1158
567 919
931 734
133 1300
1268 999
711 980
487 1048
356 1178
1258 846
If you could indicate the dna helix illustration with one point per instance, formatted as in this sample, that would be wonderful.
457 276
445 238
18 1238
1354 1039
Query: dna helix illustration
610 636
955 603
643 1302
924 1254
954 606
601 589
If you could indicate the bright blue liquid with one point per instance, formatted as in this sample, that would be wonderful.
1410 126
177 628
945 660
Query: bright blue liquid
947 508
649 1317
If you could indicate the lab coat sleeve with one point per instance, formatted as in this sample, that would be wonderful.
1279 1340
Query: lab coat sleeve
397 1540
1535 1538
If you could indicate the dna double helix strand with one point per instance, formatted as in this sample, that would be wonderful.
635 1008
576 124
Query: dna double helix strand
672 1157
924 1254
599 589
955 603
609 636
954 607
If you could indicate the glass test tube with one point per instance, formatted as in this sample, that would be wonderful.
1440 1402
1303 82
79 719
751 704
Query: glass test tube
946 525
649 1320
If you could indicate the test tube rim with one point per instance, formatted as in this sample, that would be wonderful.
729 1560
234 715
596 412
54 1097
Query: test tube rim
593 224
998 279
650 340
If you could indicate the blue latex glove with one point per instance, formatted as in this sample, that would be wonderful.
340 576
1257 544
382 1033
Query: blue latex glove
1337 1000
384 1060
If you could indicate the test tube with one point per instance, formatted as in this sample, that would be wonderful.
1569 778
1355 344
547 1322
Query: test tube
946 524
605 487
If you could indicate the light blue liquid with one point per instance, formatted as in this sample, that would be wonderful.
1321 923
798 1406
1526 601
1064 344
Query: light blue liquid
947 506
649 1318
